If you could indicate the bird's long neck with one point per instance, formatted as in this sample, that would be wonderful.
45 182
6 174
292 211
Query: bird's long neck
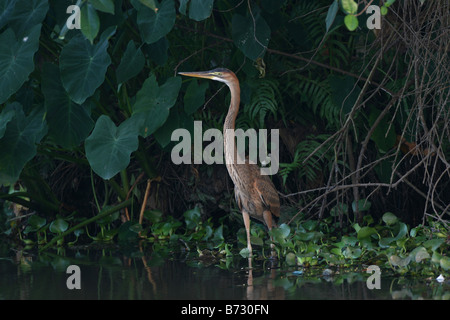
228 141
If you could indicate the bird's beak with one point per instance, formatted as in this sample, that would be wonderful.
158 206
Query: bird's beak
200 74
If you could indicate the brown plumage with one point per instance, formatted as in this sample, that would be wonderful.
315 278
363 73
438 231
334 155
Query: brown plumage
255 194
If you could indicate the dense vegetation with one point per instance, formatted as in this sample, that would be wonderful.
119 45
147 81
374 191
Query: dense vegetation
86 117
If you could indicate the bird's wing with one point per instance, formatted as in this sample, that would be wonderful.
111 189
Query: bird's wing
268 195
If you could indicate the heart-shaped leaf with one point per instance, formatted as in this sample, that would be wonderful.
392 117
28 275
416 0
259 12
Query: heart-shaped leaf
155 24
18 144
83 66
108 148
16 59
69 123
251 33
132 62
153 103
58 226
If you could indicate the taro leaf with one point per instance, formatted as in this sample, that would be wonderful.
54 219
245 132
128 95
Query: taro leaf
59 226
195 96
6 9
155 24
26 14
149 3
132 62
331 14
83 65
154 102
69 123
5 117
389 218
90 22
18 144
251 33
108 148
103 5
16 60
198 9
366 232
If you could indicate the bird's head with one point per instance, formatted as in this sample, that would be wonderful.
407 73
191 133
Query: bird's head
220 74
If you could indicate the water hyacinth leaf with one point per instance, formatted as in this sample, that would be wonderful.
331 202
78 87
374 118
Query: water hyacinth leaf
103 5
251 33
59 226
69 123
35 223
155 24
433 244
83 65
153 103
132 62
366 232
26 14
396 261
108 148
90 22
421 254
16 59
18 144
445 263
389 218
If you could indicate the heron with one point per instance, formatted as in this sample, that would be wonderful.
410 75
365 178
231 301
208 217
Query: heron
255 194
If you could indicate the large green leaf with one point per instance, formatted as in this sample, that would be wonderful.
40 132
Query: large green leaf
69 123
195 96
103 5
90 22
83 65
155 24
16 60
154 102
251 33
6 9
108 148
198 9
18 144
26 14
132 62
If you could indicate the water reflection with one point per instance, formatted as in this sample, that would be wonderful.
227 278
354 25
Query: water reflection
140 274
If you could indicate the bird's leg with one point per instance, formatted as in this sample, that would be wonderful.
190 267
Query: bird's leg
267 215
246 218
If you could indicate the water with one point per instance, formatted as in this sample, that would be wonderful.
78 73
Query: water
141 275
